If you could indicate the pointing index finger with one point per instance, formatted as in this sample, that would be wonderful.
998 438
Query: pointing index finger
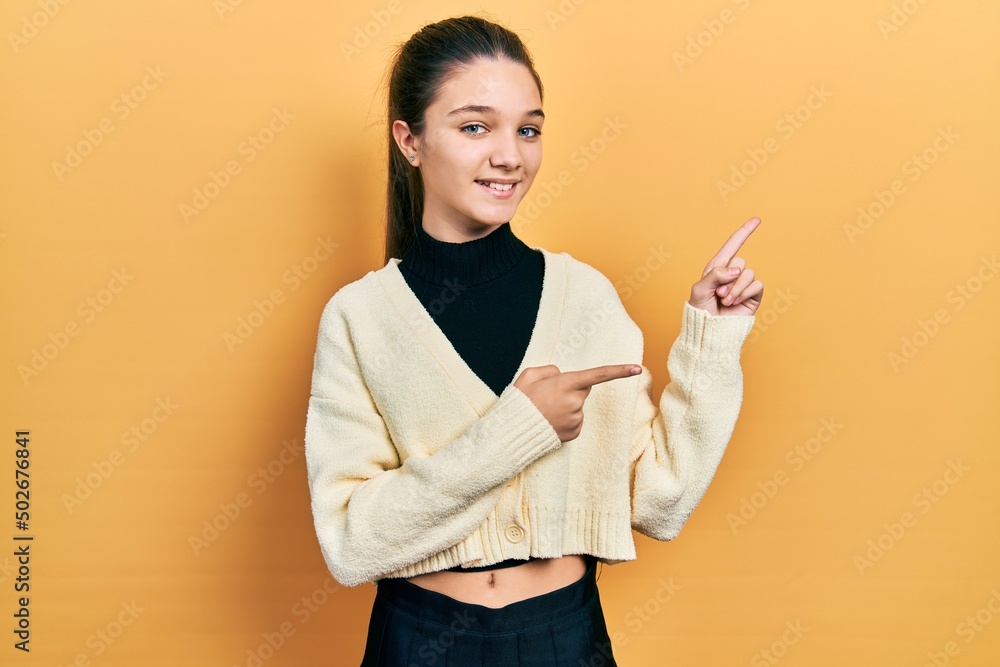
728 250
588 377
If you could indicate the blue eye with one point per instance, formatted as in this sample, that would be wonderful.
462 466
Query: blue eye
537 132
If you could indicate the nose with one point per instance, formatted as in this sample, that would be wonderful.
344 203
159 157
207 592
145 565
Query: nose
506 151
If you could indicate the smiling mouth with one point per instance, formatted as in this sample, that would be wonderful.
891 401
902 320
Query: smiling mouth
499 187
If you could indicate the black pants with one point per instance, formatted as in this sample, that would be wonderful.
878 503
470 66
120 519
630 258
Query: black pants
411 626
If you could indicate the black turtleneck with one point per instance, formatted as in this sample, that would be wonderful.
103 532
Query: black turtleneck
483 295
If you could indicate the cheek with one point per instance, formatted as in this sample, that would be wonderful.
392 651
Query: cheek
533 158
459 162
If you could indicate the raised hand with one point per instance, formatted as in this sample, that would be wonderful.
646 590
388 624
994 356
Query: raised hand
559 396
727 287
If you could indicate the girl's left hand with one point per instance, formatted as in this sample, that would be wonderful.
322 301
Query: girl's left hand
722 291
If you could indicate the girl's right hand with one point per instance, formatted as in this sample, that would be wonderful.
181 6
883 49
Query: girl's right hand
559 396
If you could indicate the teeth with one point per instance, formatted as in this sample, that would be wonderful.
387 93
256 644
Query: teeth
502 187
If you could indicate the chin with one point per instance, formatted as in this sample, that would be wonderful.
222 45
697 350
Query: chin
497 219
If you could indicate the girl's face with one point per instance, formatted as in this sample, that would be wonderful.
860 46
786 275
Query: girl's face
484 126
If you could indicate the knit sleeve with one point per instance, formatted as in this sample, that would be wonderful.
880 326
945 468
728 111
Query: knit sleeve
374 514
677 447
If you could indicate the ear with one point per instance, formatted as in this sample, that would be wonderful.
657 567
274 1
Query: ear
405 140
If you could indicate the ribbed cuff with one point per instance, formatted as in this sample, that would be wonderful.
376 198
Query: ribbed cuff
713 336
530 433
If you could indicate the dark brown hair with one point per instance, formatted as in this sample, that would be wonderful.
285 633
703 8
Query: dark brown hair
419 68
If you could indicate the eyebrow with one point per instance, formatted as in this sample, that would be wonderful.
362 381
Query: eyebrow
488 110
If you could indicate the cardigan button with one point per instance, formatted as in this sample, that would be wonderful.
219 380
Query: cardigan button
514 533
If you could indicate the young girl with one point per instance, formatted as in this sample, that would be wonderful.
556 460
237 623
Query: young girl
481 430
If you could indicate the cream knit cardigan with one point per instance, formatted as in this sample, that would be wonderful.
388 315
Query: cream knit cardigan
415 465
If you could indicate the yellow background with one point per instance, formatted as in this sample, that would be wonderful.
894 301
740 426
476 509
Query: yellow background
837 305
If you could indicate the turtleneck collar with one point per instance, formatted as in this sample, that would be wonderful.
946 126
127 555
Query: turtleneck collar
469 263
